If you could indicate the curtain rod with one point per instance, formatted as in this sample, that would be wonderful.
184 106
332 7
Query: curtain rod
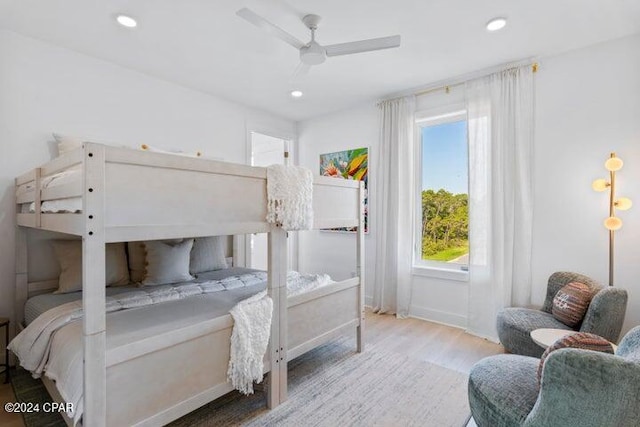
447 88
461 80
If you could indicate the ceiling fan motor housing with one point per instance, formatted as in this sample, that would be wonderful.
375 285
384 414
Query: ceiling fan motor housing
313 54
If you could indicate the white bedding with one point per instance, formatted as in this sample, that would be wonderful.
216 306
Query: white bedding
52 343
72 204
60 178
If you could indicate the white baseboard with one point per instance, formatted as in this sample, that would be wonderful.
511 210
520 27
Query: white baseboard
368 301
444 317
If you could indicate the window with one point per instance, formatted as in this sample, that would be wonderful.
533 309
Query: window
442 226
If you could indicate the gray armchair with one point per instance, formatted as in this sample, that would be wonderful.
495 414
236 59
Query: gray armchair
604 316
579 388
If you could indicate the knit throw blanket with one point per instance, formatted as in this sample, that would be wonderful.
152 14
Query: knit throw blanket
290 197
249 340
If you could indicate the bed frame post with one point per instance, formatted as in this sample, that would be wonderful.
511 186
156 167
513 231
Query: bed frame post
93 291
238 251
38 197
22 279
360 267
277 241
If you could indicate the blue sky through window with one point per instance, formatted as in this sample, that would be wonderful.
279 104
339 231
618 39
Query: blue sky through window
444 157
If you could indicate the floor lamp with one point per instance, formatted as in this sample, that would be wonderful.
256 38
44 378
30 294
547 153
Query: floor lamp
612 223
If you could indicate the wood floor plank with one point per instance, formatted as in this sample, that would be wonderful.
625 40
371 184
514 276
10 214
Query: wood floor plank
433 342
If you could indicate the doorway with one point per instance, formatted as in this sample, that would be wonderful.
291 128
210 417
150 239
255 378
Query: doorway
266 150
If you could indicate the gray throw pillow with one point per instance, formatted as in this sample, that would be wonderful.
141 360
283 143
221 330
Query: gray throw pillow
208 255
167 263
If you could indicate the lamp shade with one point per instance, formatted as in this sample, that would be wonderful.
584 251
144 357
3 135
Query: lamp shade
613 164
600 184
623 203
613 223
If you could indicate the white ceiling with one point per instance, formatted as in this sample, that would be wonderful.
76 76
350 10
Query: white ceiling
203 45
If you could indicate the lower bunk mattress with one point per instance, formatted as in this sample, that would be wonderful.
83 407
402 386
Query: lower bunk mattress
62 360
39 304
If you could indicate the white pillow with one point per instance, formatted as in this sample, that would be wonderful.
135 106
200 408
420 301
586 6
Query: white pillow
145 147
208 254
166 263
69 255
67 143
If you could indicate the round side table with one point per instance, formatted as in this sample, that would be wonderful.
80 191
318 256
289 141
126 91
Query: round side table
546 336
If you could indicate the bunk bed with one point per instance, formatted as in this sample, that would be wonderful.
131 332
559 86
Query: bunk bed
126 196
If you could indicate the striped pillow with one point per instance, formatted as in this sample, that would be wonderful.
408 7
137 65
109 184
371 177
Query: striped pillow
571 302
582 340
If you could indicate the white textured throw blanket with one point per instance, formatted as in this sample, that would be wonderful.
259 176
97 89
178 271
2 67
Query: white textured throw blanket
290 197
249 340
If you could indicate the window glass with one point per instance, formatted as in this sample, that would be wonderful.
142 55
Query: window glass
444 194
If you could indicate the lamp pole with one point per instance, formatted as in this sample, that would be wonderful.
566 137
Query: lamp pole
612 195
612 223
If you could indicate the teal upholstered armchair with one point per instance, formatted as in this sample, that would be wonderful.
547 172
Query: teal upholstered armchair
604 316
578 388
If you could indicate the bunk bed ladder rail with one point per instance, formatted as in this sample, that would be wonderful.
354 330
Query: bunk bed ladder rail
93 294
277 273
360 260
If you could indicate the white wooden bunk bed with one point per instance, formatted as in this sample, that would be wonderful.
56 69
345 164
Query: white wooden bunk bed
129 195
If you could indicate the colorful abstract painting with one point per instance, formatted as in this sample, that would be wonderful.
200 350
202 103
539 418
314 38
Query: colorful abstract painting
348 164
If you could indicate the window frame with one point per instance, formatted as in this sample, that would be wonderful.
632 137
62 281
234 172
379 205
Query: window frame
427 268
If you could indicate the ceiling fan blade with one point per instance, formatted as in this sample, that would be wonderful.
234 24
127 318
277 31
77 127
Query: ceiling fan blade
301 70
362 46
273 29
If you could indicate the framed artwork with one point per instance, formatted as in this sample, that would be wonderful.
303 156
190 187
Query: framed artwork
348 164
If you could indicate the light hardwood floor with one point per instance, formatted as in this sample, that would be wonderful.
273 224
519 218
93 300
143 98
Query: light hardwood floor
440 344
443 345
8 419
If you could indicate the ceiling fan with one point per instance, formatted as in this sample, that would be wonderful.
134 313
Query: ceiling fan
312 53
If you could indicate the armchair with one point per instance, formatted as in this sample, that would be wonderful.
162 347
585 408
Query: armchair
578 388
604 316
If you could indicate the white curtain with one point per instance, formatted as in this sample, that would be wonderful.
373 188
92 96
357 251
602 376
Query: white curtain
500 127
394 207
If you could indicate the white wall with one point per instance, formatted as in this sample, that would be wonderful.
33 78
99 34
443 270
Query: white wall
335 253
44 88
588 103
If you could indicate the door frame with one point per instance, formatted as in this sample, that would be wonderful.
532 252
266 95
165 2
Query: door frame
244 251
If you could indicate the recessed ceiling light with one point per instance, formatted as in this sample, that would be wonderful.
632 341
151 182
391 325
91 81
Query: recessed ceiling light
496 24
126 21
296 93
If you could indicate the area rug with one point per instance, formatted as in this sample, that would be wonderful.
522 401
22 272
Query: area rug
30 390
332 386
